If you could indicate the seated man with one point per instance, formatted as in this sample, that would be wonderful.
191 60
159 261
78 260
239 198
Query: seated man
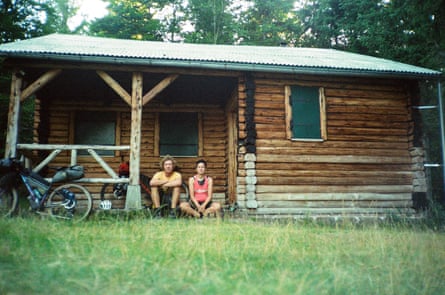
166 184
201 193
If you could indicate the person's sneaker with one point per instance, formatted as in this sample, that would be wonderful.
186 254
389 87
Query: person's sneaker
172 214
157 213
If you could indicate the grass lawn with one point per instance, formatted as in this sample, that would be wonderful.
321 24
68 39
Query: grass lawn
143 256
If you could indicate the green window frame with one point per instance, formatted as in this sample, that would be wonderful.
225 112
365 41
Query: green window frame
179 134
305 113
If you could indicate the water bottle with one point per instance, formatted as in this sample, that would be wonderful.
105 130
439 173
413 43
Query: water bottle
34 200
37 195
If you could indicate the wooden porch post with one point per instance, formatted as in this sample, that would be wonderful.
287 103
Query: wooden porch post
133 200
13 115
232 138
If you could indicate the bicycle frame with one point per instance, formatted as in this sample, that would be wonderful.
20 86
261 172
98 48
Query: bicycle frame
66 201
37 187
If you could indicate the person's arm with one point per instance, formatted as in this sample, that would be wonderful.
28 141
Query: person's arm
209 192
156 181
174 182
192 192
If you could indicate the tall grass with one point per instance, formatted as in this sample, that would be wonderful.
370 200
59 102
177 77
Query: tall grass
143 256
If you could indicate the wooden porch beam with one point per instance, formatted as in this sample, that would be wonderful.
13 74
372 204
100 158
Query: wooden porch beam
39 83
103 163
115 86
158 88
48 159
13 115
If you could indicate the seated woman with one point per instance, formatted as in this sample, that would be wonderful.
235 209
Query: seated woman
201 193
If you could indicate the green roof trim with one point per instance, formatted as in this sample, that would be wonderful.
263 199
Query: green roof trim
219 57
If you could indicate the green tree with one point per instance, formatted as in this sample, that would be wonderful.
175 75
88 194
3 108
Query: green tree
270 23
420 32
173 18
404 30
351 25
58 13
20 20
129 19
212 21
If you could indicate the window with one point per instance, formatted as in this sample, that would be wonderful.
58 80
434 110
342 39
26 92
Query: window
305 113
94 128
179 134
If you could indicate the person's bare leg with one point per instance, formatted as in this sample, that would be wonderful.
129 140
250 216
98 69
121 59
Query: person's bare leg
215 208
175 197
155 197
186 208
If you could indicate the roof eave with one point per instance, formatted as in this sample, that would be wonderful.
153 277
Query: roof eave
227 66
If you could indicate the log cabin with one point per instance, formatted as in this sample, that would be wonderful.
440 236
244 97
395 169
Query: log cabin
287 132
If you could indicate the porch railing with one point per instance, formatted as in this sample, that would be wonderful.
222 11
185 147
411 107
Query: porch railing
74 148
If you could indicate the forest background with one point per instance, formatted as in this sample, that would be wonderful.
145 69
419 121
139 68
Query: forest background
408 31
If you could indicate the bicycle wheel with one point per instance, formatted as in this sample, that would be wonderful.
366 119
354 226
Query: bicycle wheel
8 201
113 191
78 212
119 190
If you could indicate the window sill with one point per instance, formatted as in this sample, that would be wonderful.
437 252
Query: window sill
308 139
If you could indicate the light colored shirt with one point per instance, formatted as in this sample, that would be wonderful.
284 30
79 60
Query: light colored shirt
161 176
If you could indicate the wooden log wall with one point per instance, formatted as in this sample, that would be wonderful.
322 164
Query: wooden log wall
60 115
366 165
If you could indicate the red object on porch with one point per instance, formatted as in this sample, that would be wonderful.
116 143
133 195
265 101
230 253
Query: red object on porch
124 169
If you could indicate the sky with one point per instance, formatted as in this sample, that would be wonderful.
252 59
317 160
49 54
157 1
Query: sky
89 9
92 8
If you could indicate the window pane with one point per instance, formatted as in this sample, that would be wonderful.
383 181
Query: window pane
95 128
179 134
305 112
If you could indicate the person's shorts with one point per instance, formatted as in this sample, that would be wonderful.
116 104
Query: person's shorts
165 196
194 207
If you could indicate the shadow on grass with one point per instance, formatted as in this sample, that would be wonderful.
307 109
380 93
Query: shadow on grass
432 218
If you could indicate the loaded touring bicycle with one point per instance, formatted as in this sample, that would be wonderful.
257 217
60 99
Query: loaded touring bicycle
67 201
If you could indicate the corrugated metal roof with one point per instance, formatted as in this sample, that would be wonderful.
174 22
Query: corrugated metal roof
225 57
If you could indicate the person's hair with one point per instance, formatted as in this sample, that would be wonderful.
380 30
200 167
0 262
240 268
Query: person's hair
201 161
167 158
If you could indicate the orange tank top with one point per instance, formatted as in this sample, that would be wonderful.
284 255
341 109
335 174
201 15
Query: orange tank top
201 190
